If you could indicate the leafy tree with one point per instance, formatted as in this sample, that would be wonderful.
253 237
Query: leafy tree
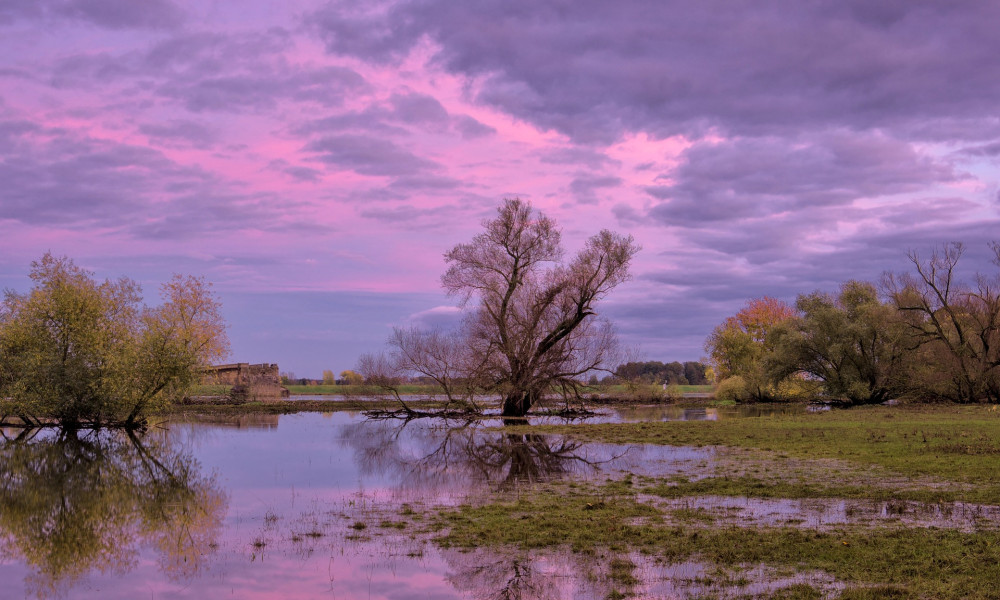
533 327
328 378
86 353
352 378
739 346
656 372
853 343
694 372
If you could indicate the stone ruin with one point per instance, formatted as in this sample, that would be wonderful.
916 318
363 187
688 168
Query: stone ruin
248 383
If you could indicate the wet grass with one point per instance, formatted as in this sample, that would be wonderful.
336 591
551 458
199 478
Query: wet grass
895 562
361 390
617 390
951 443
918 453
752 487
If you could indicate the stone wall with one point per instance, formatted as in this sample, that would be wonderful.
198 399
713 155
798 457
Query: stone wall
248 382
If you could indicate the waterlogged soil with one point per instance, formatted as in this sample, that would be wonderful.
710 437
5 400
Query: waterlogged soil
643 502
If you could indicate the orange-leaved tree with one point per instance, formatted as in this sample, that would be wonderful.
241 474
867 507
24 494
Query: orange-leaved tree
739 346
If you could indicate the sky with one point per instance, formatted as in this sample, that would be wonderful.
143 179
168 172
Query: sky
315 160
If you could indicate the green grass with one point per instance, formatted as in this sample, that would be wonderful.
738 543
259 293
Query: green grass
954 443
617 391
926 453
359 390
894 562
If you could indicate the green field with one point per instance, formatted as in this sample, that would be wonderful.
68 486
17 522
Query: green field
896 458
616 390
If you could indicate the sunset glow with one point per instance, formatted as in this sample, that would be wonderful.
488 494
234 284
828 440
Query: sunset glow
316 159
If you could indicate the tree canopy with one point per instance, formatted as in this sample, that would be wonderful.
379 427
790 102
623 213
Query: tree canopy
86 353
853 343
923 335
739 346
532 327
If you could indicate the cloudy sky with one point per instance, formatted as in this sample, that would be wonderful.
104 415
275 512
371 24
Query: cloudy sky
315 160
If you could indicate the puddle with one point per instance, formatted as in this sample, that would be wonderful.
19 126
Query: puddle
653 413
823 514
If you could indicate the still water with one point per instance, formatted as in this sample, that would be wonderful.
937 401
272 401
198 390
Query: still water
279 507
312 506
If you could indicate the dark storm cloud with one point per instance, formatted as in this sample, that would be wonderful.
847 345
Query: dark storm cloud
424 183
112 14
429 217
14 134
124 14
82 182
593 70
210 211
752 178
419 109
262 90
992 149
368 120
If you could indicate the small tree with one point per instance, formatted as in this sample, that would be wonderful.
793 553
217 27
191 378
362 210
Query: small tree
443 357
351 378
739 346
328 378
534 326
81 352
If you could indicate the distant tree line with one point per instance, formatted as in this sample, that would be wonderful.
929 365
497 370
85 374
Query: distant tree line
923 335
656 372
346 378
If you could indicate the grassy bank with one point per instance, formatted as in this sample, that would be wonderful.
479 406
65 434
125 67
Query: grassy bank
870 562
360 390
951 442
928 453
617 390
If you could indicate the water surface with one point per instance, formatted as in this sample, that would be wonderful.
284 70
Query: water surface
308 506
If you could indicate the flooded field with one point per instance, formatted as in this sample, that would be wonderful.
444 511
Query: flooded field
336 505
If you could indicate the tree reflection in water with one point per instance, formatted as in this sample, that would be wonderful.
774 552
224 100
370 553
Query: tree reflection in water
444 455
514 574
75 503
464 457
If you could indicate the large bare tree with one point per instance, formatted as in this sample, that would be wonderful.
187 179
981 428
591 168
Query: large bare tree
955 328
534 326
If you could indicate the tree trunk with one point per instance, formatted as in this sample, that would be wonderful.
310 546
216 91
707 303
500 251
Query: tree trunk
516 404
